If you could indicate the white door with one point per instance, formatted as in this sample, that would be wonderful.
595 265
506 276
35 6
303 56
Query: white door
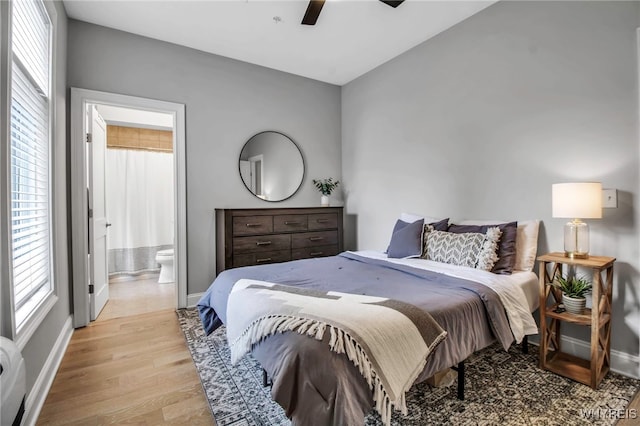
98 271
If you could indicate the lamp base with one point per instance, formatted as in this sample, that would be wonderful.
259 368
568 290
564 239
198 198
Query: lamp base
574 255
576 240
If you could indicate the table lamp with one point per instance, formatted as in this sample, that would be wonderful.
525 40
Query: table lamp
577 200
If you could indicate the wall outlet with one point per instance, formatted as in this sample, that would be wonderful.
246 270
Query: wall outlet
610 198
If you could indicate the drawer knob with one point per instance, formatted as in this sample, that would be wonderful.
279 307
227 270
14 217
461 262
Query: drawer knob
316 238
322 220
266 259
251 225
263 243
286 222
315 253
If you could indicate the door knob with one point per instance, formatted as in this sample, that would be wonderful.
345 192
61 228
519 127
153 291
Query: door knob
107 224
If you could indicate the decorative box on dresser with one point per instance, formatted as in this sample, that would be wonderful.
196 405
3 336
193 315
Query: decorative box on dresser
246 237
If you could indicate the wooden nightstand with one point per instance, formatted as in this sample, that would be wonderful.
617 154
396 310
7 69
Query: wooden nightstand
590 372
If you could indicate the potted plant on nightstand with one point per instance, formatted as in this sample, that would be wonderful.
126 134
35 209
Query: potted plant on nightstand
326 187
573 291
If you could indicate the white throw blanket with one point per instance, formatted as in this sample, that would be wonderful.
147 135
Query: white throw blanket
389 341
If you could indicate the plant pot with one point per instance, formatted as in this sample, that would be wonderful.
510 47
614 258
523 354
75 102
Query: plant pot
574 305
324 201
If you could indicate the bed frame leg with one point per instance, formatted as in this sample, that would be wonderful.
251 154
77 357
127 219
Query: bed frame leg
460 370
265 379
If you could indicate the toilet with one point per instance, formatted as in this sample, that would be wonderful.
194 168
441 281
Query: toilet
165 259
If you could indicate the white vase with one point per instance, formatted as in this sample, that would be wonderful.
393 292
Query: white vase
574 305
324 201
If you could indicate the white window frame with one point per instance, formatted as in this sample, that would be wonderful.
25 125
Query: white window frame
42 308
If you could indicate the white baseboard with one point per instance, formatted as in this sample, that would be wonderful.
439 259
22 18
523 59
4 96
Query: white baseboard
192 299
40 390
621 362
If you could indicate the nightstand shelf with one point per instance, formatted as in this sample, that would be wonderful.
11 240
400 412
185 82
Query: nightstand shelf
582 319
592 371
572 366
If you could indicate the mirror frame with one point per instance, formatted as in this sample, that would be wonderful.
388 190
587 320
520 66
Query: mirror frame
304 166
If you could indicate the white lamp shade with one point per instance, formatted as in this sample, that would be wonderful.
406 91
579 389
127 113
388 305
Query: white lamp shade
578 200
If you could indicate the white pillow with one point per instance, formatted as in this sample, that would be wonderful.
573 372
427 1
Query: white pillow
410 218
527 245
526 241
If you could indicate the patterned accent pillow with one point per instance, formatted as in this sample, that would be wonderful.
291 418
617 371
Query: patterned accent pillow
506 246
470 249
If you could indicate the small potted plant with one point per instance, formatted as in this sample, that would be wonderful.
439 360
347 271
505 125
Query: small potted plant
573 291
326 187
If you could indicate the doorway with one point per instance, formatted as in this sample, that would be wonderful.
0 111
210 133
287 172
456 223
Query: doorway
251 170
139 197
83 195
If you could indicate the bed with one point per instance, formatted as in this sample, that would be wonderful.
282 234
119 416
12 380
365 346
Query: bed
475 307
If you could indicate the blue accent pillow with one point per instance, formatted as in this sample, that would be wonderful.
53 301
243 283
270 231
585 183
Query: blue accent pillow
441 225
406 240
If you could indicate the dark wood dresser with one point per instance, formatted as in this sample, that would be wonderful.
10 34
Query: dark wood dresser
247 237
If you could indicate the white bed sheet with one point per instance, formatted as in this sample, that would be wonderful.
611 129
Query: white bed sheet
518 291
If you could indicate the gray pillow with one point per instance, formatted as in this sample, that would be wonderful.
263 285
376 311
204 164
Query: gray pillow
506 245
441 225
406 240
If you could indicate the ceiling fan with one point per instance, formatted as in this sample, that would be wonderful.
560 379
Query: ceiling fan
315 6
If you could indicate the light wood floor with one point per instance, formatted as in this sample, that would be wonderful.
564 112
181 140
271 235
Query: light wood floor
131 297
632 414
133 369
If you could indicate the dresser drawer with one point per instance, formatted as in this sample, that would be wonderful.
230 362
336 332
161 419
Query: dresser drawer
252 225
261 258
308 252
261 243
323 221
314 239
290 223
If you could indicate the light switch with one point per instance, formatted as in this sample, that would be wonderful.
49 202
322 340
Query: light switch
610 198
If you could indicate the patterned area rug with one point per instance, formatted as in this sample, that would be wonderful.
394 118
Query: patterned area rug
502 388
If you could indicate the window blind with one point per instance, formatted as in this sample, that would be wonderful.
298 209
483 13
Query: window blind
30 157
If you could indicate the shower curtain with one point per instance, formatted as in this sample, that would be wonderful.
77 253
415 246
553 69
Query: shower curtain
139 207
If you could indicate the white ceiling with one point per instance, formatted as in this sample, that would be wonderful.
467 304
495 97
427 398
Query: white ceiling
350 38
128 117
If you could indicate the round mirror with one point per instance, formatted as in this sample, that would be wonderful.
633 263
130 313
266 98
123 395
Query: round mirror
271 166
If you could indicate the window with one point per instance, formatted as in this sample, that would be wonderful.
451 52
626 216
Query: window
30 200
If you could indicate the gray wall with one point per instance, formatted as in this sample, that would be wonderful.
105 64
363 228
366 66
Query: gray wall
227 102
479 121
40 345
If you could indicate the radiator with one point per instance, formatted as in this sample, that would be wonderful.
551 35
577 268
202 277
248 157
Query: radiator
12 383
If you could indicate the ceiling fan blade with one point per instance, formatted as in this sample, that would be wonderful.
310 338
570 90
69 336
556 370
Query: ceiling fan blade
313 11
392 3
